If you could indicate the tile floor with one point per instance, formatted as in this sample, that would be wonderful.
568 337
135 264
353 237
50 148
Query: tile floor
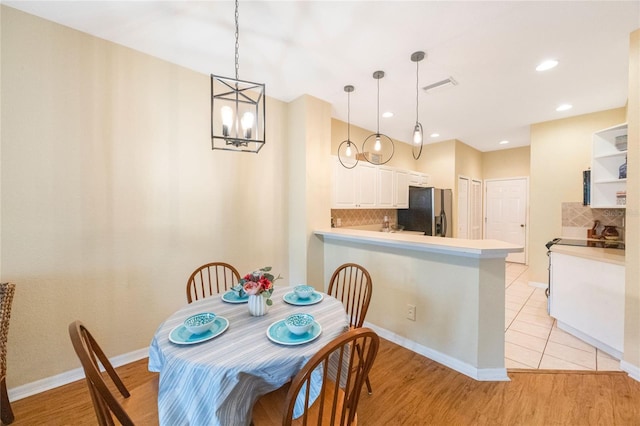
532 339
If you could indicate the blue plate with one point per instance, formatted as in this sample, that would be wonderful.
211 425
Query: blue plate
232 297
181 336
279 333
292 299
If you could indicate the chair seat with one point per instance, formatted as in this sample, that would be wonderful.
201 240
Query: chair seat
142 403
268 409
111 398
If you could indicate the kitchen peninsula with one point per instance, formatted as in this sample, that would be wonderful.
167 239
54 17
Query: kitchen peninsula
455 286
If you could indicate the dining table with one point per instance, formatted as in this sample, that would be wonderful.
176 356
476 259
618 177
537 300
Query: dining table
216 378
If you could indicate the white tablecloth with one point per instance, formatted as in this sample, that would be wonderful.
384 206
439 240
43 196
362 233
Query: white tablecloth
218 381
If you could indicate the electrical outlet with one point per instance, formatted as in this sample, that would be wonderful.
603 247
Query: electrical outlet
411 312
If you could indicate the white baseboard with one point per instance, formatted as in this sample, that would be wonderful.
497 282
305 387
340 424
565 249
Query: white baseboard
632 370
615 353
67 377
480 374
538 284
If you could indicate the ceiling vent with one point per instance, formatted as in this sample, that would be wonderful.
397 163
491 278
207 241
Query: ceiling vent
440 85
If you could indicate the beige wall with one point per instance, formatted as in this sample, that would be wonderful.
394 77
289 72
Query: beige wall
111 194
560 151
439 161
468 161
309 186
632 276
506 163
456 322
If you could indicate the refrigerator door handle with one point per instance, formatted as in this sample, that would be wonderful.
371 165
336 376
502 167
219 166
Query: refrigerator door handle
444 223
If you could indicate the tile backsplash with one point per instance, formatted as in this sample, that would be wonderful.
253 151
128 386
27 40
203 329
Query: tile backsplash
361 217
577 218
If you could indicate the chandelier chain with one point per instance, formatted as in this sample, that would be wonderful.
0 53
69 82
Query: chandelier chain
237 43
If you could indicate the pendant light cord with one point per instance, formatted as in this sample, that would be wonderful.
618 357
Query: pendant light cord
237 42
417 65
378 130
349 116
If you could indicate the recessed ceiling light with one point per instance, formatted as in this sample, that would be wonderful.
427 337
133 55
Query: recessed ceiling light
434 135
504 142
387 114
547 65
564 107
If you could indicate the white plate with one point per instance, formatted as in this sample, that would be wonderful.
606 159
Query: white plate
292 299
232 297
181 336
279 333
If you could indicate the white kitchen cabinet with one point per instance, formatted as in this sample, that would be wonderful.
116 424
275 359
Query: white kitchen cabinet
605 164
401 186
587 299
366 185
386 187
419 179
354 188
393 188
344 187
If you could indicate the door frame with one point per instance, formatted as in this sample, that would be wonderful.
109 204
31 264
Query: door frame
459 221
480 210
526 213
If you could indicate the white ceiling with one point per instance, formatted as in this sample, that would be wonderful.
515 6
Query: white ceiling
317 47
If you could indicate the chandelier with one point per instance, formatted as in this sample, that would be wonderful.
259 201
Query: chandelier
237 110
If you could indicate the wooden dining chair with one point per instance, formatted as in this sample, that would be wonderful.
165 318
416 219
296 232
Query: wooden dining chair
7 290
352 284
210 279
139 406
337 401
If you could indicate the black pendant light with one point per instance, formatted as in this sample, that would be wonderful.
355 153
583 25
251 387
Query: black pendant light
378 148
418 136
348 151
237 110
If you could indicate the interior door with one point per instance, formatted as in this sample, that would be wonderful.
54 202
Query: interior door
475 210
463 207
506 213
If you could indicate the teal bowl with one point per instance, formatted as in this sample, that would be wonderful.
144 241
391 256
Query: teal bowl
299 324
199 323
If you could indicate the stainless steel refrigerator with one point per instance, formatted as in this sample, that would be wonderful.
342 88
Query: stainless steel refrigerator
429 211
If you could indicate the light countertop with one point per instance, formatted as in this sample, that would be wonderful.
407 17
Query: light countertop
594 253
412 241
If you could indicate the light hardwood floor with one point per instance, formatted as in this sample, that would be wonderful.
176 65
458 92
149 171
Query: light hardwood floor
409 389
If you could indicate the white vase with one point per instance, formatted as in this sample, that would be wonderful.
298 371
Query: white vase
257 305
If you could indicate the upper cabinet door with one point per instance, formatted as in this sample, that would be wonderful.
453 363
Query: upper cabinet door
401 181
367 185
419 179
344 187
386 187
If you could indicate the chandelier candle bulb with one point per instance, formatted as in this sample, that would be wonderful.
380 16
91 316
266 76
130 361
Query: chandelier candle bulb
227 119
247 124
